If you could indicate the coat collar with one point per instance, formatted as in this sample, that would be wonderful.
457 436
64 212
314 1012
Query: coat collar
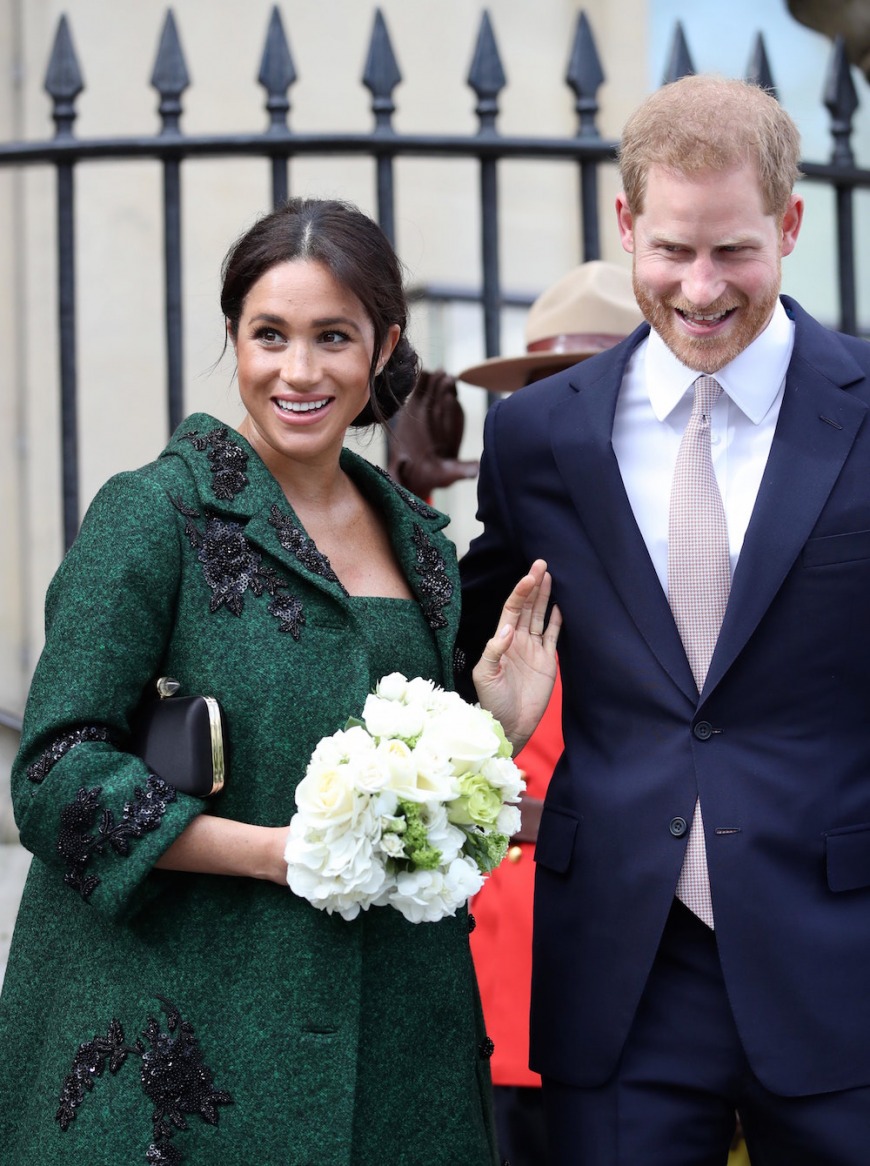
233 482
817 427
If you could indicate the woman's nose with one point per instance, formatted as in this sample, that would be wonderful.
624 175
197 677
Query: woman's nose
298 368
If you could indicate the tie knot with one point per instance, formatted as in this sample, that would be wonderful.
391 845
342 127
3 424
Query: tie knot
707 390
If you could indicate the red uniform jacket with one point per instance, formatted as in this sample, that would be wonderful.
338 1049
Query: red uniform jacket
501 943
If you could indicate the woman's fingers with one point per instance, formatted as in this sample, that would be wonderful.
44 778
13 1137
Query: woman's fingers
525 614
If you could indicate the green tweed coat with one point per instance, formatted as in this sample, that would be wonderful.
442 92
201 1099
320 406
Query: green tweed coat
158 1017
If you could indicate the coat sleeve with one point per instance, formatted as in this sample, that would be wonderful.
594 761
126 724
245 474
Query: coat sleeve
493 563
83 805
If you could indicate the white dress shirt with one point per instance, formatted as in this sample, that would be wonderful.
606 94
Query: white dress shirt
653 409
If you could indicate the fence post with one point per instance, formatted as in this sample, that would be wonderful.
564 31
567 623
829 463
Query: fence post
170 78
63 83
277 74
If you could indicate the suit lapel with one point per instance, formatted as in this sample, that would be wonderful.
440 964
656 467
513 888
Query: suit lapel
816 430
817 426
581 431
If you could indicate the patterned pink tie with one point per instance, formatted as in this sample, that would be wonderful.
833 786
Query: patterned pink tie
699 579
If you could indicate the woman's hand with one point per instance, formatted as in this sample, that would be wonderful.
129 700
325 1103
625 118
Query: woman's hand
516 673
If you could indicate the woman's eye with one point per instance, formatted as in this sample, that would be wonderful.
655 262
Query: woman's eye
268 335
333 336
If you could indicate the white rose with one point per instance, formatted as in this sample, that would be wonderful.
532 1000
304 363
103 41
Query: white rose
342 745
466 735
392 687
507 777
420 692
326 793
389 718
392 845
397 762
508 821
435 778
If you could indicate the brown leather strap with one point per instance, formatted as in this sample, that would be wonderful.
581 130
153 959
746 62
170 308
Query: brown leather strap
575 342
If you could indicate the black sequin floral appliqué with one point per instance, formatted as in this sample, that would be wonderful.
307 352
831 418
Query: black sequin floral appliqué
40 769
232 567
411 500
228 461
294 539
174 1078
436 587
77 844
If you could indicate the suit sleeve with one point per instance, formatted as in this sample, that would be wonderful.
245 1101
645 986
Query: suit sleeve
83 805
494 562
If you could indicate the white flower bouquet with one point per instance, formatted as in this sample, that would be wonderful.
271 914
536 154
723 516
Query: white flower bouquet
409 807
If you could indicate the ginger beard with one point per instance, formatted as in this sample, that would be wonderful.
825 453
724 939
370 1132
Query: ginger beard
744 318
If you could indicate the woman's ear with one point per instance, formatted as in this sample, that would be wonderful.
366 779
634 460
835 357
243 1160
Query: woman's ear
231 335
389 344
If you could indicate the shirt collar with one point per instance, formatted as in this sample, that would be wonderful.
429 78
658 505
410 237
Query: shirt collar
752 380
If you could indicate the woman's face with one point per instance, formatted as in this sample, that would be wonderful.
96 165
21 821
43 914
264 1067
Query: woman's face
304 348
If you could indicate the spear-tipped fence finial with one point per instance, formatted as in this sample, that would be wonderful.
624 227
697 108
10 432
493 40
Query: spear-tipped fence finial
585 76
680 62
758 70
381 74
486 75
63 80
170 77
277 72
841 100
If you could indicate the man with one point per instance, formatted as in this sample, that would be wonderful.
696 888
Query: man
709 541
586 311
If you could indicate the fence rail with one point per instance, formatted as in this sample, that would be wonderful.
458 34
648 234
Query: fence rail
278 144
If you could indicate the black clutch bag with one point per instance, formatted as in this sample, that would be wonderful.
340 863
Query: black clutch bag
182 739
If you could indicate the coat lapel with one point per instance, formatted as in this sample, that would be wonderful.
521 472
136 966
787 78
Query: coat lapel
581 430
233 482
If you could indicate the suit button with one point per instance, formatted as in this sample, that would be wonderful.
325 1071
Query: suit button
703 730
678 827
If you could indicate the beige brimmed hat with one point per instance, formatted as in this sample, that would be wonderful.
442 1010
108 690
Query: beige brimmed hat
587 311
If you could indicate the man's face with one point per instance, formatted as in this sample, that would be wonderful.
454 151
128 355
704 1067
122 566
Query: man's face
706 263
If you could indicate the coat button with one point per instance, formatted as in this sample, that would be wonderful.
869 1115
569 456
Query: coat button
703 730
486 1048
678 827
472 923
515 854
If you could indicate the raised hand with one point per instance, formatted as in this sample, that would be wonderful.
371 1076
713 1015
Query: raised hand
516 673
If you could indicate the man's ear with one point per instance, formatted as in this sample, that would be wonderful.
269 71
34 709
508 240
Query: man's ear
625 222
791 224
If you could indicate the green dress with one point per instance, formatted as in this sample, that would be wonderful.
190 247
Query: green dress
159 1017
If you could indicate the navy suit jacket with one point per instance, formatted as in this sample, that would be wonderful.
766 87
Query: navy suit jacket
777 746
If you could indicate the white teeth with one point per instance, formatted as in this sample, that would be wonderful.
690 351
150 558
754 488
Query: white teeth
705 319
301 406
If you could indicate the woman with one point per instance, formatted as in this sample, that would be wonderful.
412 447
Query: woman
167 998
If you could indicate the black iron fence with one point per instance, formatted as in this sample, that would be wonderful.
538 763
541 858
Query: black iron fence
278 143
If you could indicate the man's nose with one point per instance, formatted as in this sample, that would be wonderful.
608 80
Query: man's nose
703 283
